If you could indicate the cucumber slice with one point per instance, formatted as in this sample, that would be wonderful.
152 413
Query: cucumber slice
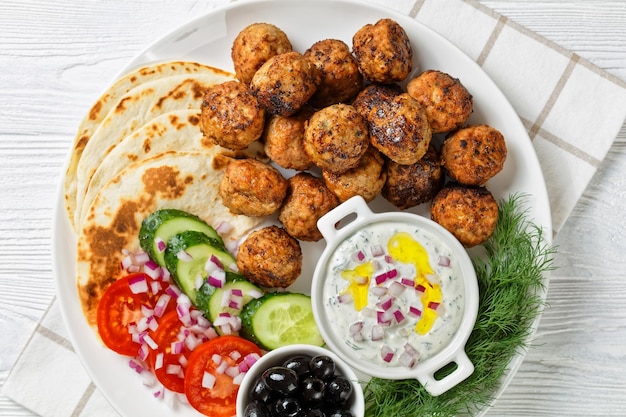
217 300
278 319
197 249
161 225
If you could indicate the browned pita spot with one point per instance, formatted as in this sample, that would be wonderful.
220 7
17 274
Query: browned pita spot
194 120
165 181
95 110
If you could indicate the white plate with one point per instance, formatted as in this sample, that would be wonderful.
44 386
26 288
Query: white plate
208 39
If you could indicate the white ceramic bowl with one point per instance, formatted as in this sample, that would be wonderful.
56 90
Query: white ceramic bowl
279 355
344 222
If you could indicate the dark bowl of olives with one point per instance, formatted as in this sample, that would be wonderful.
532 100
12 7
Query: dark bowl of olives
300 381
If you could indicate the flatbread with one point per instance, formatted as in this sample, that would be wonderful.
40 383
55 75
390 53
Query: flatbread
177 130
181 180
134 109
103 105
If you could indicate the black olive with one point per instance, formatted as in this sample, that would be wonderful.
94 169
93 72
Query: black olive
339 413
322 366
260 391
299 363
314 412
338 390
256 409
281 380
312 390
287 407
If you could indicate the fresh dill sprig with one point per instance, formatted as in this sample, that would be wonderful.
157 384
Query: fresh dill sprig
511 282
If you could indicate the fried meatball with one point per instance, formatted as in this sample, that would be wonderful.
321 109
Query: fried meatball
307 200
336 137
410 185
469 213
254 45
383 51
285 83
374 94
399 129
270 257
474 154
252 188
283 138
230 116
340 76
447 102
366 179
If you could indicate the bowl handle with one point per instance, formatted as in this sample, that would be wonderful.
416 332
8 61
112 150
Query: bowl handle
463 370
354 210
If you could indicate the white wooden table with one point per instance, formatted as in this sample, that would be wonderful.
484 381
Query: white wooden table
55 58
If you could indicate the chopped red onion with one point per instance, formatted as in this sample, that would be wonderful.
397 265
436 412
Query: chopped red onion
158 361
141 258
345 297
408 282
255 294
221 368
395 288
414 311
389 259
155 287
232 371
161 304
184 256
126 262
235 355
356 331
152 269
150 342
433 305
377 250
174 369
182 359
377 332
386 303
251 358
177 347
208 380
217 278
143 352
238 379
444 261
217 359
420 288
387 353
397 314
384 317
378 291
358 256
161 245
407 360
224 228
134 364
138 284
433 279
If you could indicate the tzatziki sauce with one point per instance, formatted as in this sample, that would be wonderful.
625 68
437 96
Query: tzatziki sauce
394 293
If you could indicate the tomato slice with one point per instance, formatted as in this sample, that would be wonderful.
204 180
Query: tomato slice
220 401
166 334
117 308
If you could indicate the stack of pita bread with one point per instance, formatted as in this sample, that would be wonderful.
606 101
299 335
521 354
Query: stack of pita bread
139 149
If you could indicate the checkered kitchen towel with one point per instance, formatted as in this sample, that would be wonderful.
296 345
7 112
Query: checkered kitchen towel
571 109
